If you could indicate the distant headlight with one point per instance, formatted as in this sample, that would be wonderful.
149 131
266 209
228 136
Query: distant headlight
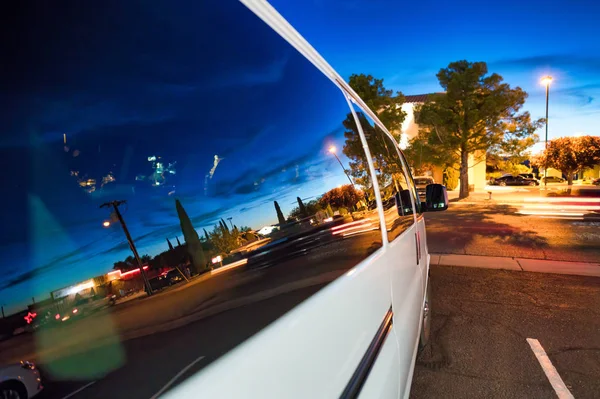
27 365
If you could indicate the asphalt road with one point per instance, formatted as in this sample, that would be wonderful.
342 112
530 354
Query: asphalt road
481 320
500 230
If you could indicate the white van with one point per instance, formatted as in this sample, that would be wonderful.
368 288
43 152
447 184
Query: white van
207 123
358 335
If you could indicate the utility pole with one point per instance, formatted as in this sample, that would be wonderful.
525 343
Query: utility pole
230 222
115 206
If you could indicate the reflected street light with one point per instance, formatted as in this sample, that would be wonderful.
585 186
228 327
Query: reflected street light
546 80
333 150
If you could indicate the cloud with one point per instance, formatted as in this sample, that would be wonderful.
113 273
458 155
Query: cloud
555 61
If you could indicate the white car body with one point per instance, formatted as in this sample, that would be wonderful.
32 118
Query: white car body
23 375
321 347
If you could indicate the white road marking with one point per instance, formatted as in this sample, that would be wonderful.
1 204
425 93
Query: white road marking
79 390
172 380
557 383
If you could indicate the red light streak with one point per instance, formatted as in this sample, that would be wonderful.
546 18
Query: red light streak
133 271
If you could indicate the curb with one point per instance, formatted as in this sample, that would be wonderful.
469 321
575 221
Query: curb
517 264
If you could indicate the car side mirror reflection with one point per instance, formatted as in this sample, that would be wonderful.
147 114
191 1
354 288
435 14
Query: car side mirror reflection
436 198
403 203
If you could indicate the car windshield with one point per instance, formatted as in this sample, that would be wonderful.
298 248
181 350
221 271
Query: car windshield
423 181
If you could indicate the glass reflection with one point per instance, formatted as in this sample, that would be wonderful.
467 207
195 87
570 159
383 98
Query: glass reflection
234 162
395 190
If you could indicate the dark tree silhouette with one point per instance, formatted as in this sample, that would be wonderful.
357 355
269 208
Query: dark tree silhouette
280 216
302 208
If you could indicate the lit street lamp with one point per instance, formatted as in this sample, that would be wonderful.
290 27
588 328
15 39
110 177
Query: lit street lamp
332 150
546 80
106 223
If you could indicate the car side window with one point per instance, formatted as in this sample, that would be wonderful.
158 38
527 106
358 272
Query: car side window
394 187
229 155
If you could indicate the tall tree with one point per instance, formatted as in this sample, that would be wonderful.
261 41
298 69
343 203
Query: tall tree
477 112
387 107
206 235
178 243
571 155
280 216
190 235
225 224
170 245
380 100
302 208
341 197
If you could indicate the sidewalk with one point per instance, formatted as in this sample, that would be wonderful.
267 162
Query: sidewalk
517 264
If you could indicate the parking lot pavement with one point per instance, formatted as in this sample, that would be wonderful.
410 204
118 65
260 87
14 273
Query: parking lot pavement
481 320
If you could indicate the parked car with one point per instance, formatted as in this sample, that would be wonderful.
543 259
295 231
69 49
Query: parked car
510 180
422 182
85 306
596 182
527 175
174 277
552 179
20 381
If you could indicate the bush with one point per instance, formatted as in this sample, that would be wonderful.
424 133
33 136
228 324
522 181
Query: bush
451 177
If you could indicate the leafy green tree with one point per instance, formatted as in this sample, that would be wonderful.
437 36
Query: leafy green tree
225 224
311 207
124 265
384 156
387 107
190 235
380 100
280 216
224 241
145 259
345 196
570 155
477 112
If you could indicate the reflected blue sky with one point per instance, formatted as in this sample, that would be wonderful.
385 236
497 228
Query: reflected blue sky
135 103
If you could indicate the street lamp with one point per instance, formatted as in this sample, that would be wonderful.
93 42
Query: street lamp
546 80
333 150
106 223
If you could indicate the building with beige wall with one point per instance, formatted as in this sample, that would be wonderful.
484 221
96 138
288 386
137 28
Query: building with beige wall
410 129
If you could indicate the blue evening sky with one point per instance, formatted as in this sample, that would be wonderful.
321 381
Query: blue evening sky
407 42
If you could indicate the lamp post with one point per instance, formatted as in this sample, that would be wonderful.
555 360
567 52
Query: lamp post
332 150
546 80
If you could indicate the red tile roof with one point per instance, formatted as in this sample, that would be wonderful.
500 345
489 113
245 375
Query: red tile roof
418 98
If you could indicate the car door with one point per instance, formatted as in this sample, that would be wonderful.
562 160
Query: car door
319 288
401 242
